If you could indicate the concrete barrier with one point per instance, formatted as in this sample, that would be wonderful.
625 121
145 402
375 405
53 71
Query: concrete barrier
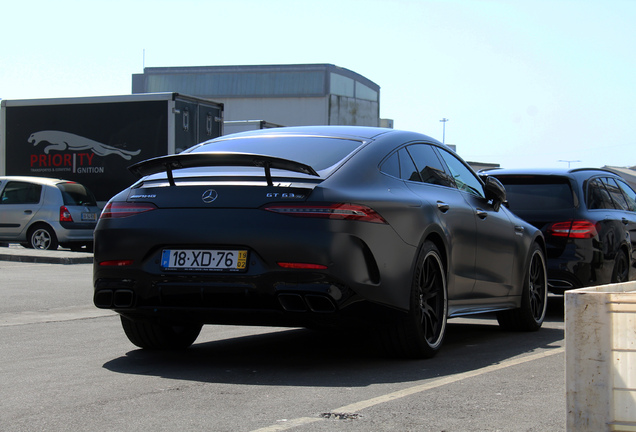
600 344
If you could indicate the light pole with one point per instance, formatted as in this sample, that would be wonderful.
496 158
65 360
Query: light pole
444 120
569 162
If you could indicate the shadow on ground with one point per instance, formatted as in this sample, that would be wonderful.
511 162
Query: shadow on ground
300 357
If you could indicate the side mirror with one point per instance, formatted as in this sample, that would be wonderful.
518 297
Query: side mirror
495 191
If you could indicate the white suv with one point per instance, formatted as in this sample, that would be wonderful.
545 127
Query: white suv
43 213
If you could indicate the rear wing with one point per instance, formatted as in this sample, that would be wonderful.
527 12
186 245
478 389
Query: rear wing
170 163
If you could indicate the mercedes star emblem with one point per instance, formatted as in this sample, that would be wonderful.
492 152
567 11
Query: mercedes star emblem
209 196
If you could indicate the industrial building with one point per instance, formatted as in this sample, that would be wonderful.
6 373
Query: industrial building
287 95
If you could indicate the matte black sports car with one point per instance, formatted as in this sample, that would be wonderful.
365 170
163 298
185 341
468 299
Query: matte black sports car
316 227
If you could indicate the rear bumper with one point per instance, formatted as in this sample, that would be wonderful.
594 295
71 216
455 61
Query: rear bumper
365 264
287 300
75 236
74 232
578 271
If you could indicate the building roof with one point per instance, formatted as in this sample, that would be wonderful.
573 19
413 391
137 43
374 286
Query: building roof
304 80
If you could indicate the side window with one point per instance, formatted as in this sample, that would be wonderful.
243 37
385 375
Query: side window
21 193
630 195
465 179
429 166
391 166
615 193
597 196
408 170
400 165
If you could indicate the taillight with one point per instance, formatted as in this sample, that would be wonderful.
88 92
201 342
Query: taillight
123 209
578 229
307 266
116 263
65 215
328 211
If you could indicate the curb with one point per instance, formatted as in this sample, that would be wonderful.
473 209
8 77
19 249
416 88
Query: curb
45 259
19 254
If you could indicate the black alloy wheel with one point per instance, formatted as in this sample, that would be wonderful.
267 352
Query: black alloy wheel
421 332
534 298
620 273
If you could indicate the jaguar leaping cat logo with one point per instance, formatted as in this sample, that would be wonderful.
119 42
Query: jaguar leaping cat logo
61 141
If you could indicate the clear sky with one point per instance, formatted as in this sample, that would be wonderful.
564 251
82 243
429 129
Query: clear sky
522 82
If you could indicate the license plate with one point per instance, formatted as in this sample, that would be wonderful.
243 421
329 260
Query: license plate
204 260
89 216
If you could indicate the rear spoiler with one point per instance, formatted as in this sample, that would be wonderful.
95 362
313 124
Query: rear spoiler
192 160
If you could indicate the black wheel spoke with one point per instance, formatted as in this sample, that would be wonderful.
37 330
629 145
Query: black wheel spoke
531 312
620 273
420 332
431 307
536 287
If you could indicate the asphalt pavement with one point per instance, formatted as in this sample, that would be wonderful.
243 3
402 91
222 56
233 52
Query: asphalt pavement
483 380
16 252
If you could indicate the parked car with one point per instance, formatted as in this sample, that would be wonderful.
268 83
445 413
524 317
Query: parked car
588 217
43 213
317 227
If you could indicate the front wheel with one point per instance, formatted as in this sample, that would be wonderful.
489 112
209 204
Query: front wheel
420 333
534 297
159 336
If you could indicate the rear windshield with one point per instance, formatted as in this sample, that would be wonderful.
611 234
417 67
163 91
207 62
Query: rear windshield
76 194
318 152
538 192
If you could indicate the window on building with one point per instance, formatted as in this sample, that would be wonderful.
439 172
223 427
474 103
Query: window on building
364 92
245 84
341 85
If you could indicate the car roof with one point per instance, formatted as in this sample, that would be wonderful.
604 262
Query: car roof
38 180
564 172
347 132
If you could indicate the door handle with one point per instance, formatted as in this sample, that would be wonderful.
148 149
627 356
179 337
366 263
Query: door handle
481 213
442 206
28 211
519 230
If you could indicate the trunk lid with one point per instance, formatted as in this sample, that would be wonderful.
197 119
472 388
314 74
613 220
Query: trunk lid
221 180
219 194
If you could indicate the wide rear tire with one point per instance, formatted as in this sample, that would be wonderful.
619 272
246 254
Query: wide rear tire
534 298
159 336
420 333
620 272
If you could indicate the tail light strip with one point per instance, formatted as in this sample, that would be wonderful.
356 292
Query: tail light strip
328 211
124 209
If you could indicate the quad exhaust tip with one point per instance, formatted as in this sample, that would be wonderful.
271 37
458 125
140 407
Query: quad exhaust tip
122 298
306 303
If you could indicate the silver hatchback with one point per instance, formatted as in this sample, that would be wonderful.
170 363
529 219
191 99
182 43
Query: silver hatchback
44 213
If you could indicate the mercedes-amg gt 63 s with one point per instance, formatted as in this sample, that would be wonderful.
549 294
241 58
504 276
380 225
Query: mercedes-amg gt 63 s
318 227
